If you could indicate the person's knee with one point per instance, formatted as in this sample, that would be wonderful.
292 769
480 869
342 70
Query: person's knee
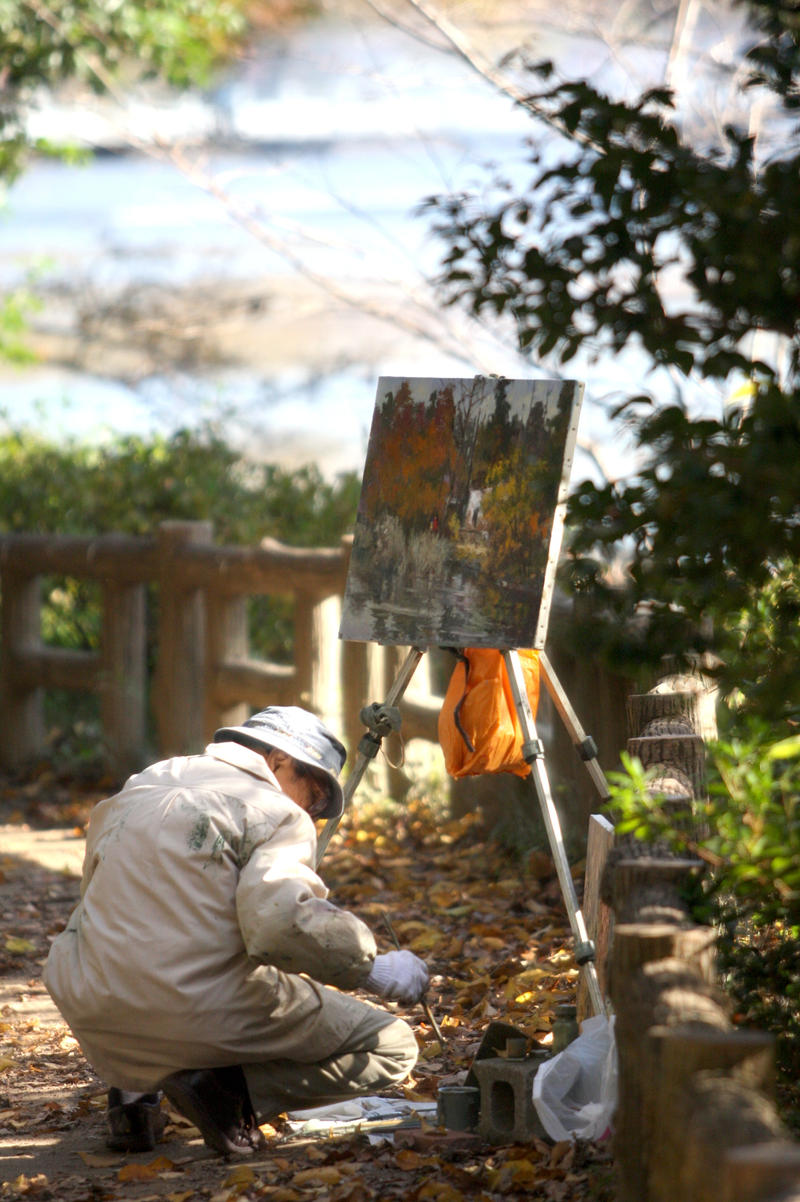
398 1043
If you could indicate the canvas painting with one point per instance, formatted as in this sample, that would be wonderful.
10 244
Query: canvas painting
460 518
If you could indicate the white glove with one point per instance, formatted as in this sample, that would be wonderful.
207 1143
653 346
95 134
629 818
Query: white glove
398 976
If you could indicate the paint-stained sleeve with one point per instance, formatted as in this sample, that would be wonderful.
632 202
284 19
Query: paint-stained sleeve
286 919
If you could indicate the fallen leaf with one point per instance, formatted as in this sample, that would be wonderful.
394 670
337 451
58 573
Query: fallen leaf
440 1191
17 946
352 1191
514 1173
145 1172
408 1160
29 1185
318 1176
312 1153
241 1175
7 1062
563 1154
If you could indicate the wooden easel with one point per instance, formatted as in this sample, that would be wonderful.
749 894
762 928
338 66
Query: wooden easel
382 719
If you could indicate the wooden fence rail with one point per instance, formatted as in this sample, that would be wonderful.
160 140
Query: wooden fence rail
205 675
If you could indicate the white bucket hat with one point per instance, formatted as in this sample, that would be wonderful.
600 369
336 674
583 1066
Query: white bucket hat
302 736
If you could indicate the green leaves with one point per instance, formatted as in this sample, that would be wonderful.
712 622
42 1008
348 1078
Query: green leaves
179 41
748 835
627 199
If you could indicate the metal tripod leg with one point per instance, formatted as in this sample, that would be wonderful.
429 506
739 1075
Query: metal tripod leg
584 744
533 751
380 723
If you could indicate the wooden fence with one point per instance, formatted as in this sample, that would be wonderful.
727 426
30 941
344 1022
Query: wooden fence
205 675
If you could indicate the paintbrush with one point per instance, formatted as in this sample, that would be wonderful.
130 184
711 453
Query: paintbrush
425 1006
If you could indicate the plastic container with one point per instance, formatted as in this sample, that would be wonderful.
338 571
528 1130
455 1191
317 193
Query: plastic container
458 1107
565 1027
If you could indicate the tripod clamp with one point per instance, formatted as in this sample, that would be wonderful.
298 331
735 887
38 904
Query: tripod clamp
381 720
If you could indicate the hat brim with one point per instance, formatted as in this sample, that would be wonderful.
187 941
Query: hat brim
246 736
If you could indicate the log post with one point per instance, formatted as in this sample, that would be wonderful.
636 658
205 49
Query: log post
180 677
227 640
647 959
21 704
690 699
649 888
309 648
710 1098
122 683
762 1172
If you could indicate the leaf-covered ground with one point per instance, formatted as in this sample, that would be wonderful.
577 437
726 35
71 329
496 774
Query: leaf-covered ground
493 932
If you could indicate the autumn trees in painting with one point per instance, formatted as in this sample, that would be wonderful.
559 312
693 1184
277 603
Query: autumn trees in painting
453 534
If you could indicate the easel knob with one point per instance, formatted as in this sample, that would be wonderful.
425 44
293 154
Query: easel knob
381 720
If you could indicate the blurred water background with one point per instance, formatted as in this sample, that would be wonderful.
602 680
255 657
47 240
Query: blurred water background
254 255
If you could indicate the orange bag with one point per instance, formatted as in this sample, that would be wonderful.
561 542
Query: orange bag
479 730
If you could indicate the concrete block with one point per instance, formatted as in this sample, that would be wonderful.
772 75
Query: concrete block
507 1114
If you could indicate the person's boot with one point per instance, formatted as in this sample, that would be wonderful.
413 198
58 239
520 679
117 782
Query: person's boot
133 1126
217 1101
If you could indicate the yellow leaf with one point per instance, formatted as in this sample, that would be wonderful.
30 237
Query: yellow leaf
7 1062
284 1194
318 1176
241 1175
528 977
493 944
427 939
16 946
408 1159
514 1173
145 1172
312 1153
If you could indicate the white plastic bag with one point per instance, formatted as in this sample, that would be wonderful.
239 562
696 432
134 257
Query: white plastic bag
575 1092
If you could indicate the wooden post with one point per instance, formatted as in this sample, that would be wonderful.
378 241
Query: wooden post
122 675
308 641
708 1084
326 698
21 708
227 640
180 677
691 699
648 888
763 1172
674 954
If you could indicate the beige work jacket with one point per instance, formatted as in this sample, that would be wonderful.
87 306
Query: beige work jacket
200 907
